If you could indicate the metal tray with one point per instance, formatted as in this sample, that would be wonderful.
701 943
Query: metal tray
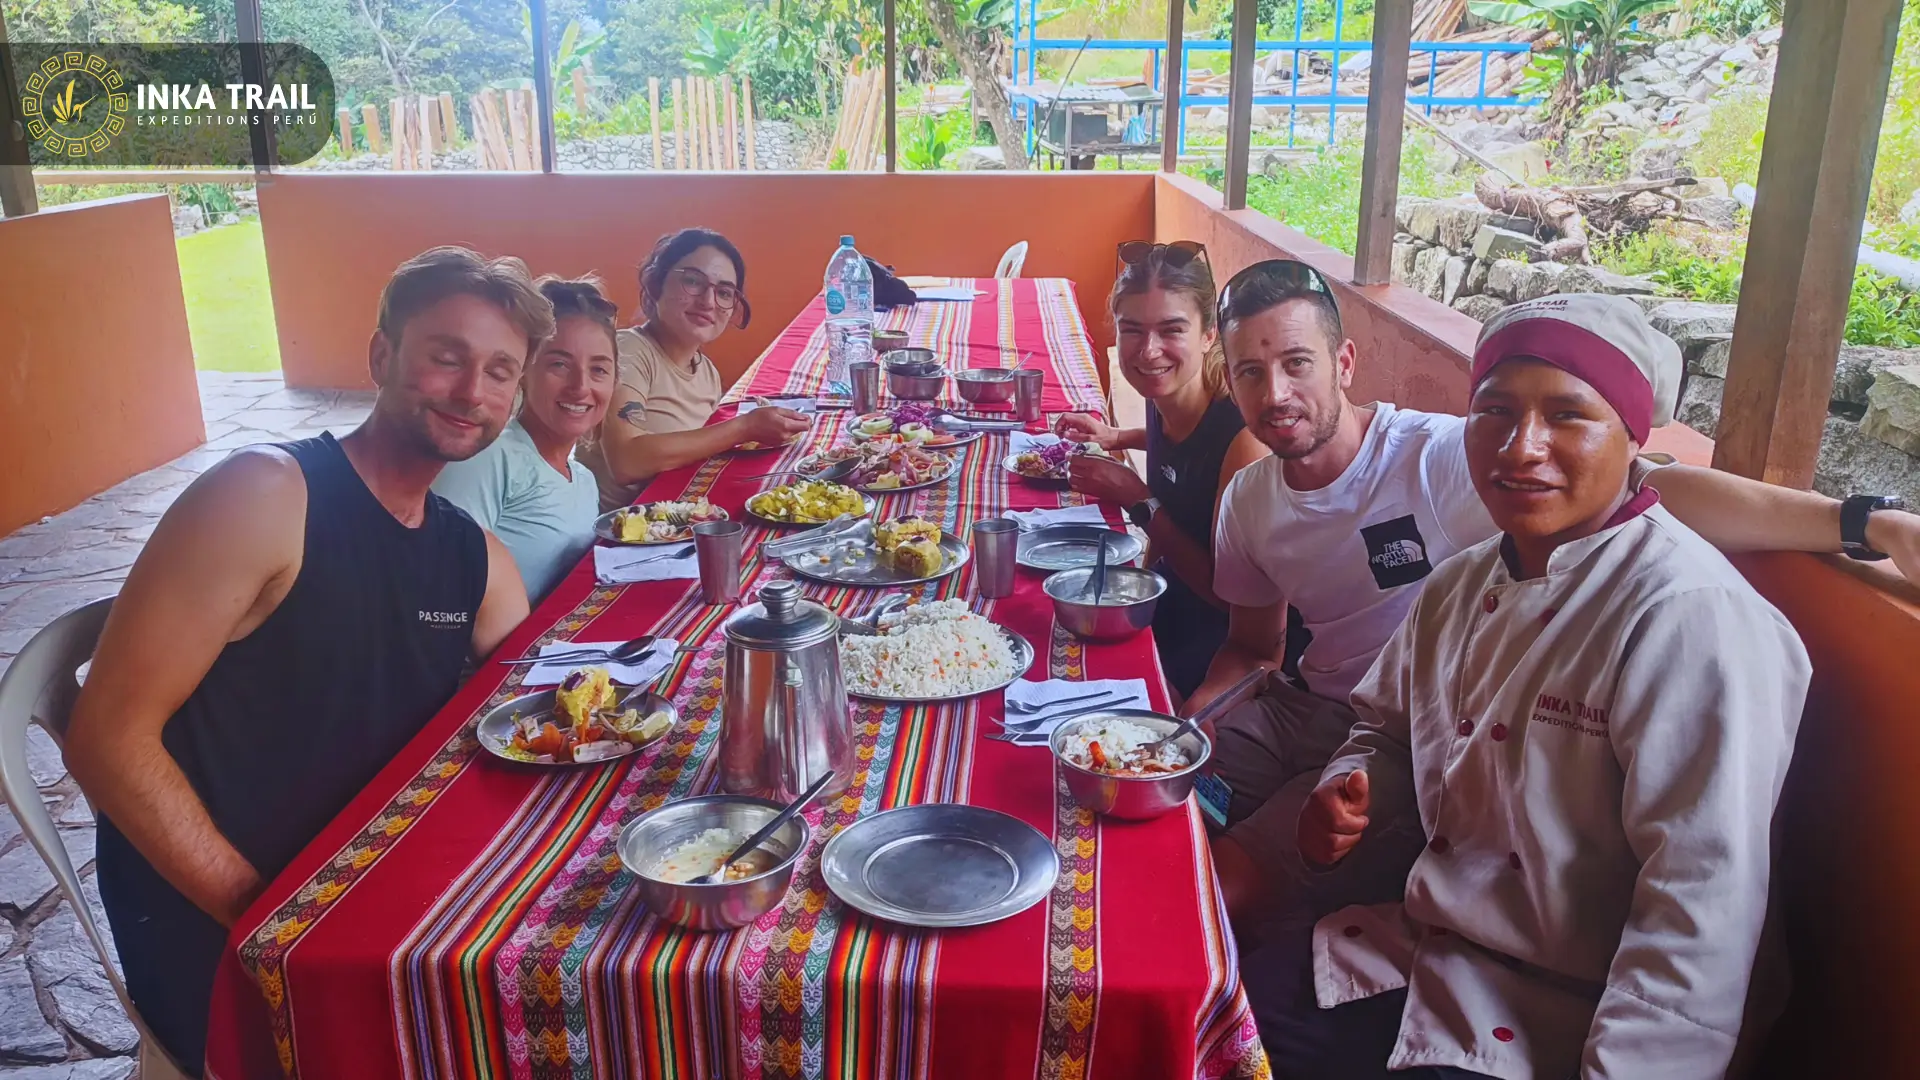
799 469
868 568
1068 547
1022 660
868 499
495 729
958 442
603 529
940 865
1037 481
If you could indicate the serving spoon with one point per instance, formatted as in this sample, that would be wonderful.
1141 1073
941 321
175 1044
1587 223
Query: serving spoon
767 831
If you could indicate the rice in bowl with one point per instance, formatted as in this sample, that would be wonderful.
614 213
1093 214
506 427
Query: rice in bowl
932 650
1111 745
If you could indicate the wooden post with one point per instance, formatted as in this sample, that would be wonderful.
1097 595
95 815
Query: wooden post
370 114
580 93
18 196
1173 85
679 124
732 122
1380 163
428 136
709 90
540 100
397 117
481 150
344 120
696 123
746 115
1816 168
1239 104
653 116
449 119
891 148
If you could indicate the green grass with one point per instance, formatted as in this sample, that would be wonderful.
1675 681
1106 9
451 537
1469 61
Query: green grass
229 309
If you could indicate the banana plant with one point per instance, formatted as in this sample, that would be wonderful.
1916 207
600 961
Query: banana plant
1592 33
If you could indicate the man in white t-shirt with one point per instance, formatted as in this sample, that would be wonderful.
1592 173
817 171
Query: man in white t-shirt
1344 522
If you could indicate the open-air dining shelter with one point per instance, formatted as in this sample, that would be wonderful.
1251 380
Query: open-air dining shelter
97 384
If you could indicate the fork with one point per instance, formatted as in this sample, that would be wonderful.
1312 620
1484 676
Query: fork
1028 723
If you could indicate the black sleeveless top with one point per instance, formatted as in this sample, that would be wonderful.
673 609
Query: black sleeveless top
1185 475
294 719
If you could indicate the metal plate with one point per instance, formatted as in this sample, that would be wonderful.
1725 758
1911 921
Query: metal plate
1037 481
868 499
1067 547
867 568
800 470
495 729
603 529
940 865
959 441
1022 660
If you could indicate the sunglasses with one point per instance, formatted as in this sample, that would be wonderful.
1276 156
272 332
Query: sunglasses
1275 281
1176 254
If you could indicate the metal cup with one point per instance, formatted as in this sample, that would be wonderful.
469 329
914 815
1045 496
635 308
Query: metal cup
865 377
995 551
717 545
1027 384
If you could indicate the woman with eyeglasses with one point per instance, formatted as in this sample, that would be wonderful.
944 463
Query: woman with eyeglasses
692 287
1195 441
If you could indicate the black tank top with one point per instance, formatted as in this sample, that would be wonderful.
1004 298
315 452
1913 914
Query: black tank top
1185 475
294 719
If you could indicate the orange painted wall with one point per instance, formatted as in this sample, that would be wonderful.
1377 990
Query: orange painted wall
96 368
332 239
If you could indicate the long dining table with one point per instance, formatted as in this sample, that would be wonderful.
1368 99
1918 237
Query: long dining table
469 917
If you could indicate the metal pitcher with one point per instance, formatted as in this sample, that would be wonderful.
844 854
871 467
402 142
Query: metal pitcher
785 704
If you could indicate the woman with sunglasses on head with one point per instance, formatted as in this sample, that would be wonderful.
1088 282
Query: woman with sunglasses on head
1195 441
692 287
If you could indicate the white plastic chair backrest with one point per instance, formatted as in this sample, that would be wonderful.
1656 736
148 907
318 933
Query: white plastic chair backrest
1012 262
39 687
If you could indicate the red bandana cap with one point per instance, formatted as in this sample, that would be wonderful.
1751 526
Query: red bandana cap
1605 341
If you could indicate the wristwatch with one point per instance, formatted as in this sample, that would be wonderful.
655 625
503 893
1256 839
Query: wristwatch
1854 512
1142 512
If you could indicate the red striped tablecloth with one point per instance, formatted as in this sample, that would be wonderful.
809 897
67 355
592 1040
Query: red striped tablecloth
469 917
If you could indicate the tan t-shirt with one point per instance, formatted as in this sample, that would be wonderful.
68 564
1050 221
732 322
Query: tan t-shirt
655 396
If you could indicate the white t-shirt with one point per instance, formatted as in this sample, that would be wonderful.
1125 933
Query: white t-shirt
1351 556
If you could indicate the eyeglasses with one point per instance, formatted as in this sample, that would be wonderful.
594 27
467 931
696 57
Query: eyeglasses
726 295
1275 281
1176 254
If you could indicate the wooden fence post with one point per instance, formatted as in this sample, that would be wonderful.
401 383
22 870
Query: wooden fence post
517 132
679 124
580 94
370 114
1386 120
713 124
429 135
733 130
653 116
449 119
345 121
746 115
397 114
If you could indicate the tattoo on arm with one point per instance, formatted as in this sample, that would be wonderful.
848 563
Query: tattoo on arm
633 412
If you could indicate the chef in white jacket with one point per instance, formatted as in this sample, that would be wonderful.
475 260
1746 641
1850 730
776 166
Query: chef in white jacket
1593 714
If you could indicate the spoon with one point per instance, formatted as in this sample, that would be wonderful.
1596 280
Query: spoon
868 625
680 552
624 653
1228 699
1099 578
1033 707
1027 723
766 831
832 472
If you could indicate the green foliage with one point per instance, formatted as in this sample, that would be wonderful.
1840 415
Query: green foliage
1322 199
839 161
1642 253
1730 146
928 140
1881 312
1593 33
103 20
1734 18
223 274
1714 281
1899 238
1896 174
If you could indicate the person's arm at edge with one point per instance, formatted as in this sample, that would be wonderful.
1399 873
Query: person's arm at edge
504 604
1736 514
1255 638
194 588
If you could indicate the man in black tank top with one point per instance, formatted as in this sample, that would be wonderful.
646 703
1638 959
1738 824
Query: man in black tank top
297 616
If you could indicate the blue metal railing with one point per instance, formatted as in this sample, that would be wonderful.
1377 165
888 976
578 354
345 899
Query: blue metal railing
1027 46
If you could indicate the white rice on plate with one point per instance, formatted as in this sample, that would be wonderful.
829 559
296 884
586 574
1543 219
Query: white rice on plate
1117 739
934 650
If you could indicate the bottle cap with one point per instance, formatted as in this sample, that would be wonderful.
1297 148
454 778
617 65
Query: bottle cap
846 241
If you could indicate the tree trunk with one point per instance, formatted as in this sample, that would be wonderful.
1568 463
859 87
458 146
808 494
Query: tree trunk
976 61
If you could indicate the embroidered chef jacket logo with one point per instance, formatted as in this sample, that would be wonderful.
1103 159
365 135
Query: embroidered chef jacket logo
1396 552
444 618
1575 716
1167 471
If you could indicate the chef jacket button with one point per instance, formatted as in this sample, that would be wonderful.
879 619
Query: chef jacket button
1438 845
1504 1034
1352 931
1465 728
1499 733
1491 603
1513 859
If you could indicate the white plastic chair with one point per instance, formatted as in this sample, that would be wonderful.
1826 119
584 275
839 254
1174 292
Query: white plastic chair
39 687
1012 261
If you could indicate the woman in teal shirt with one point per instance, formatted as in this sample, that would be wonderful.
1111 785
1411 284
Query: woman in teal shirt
526 488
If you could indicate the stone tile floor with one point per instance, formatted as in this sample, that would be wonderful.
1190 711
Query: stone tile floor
59 1019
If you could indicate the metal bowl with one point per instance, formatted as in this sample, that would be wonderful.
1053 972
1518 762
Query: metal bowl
916 387
1131 798
722 905
1125 608
984 385
886 341
912 361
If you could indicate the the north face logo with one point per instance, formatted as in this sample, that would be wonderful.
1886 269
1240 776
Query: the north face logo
1396 552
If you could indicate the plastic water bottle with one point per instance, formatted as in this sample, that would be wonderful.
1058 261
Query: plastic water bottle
849 314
